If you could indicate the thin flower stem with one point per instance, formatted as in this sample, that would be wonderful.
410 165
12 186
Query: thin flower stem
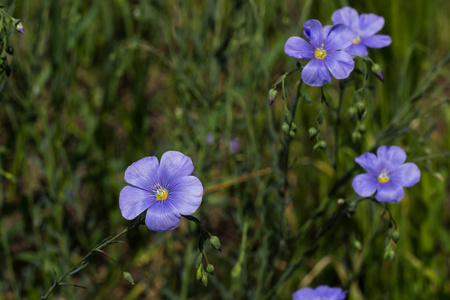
104 243
336 128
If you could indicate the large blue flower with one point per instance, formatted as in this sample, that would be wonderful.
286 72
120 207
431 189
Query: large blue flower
323 50
364 28
322 292
165 190
386 174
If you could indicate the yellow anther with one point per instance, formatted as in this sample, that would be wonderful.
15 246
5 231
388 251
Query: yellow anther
383 177
161 193
321 53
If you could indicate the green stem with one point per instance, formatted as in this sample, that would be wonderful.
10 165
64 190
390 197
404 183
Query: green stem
104 243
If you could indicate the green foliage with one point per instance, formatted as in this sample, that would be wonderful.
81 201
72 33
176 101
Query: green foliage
97 85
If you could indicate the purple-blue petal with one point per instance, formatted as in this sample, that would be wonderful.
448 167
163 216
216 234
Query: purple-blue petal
186 195
298 48
390 158
315 73
339 37
369 162
369 24
326 30
162 216
365 185
330 293
377 41
357 49
306 293
390 192
133 201
340 64
174 165
347 16
405 175
143 173
313 31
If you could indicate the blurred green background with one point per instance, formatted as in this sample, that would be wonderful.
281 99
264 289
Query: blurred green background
97 85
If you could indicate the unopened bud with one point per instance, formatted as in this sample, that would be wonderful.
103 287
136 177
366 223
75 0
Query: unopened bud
362 128
356 136
351 113
210 268
312 131
292 133
215 242
198 260
322 144
285 128
395 236
376 69
358 245
272 95
199 272
361 107
205 279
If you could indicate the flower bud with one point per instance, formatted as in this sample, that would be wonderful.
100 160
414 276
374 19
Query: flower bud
356 136
361 107
215 242
205 279
351 113
362 128
285 128
292 133
272 95
312 131
210 268
322 144
376 69
199 272
18 25
358 245
395 236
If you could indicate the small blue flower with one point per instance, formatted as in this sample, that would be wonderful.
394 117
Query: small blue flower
165 190
387 174
323 50
364 28
234 145
322 292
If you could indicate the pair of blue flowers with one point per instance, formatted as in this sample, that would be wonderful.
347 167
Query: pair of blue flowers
330 47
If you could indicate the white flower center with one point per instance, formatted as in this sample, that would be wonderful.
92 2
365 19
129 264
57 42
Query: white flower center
160 192
357 39
383 177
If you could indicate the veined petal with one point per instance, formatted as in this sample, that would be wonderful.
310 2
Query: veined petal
390 192
365 185
174 165
369 24
162 216
143 173
186 195
340 64
339 37
313 31
369 162
406 175
390 158
347 16
377 41
315 73
298 48
133 201
304 294
357 49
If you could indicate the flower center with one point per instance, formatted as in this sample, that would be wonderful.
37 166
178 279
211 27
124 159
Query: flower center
321 53
383 177
357 40
160 192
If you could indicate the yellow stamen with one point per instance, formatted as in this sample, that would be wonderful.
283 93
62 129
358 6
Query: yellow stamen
321 53
161 193
383 177
357 40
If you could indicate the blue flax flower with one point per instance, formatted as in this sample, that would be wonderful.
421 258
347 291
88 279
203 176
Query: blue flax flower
322 292
364 28
323 50
164 189
387 174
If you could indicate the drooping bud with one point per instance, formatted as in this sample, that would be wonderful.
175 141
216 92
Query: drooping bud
312 132
199 272
205 279
395 236
272 95
361 107
215 242
376 69
351 113
285 128
210 268
322 144
18 25
198 260
356 136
